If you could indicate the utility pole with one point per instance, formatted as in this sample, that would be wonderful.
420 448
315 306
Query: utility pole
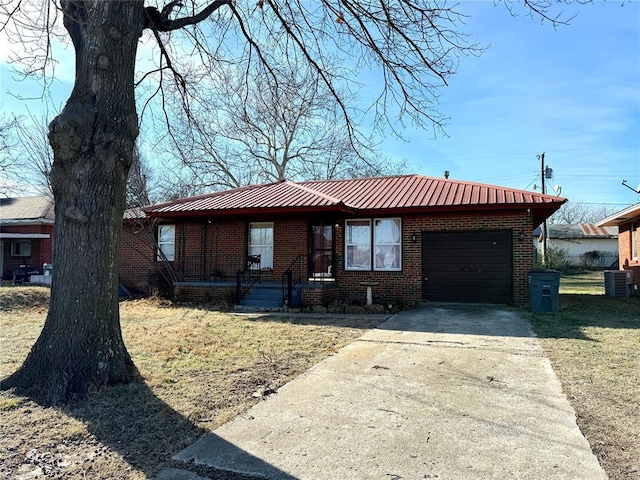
544 225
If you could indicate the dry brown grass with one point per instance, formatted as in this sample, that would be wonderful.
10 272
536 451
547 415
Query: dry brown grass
594 346
200 368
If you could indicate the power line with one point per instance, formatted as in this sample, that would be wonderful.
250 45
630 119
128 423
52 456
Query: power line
568 150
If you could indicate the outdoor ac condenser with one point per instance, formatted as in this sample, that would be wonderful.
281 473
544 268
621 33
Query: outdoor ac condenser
617 283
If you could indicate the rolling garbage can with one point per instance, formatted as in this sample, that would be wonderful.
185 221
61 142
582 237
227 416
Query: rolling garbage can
544 288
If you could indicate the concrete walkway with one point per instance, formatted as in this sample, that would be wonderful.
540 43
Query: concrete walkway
455 392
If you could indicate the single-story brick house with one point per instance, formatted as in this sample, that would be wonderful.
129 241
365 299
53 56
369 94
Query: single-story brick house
628 223
409 238
26 231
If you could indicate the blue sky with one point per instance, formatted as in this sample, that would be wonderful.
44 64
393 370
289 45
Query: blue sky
572 92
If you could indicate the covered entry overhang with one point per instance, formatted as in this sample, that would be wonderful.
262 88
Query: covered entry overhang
23 236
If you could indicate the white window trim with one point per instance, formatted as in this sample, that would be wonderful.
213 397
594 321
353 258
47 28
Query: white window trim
160 253
634 240
265 261
347 245
372 245
20 242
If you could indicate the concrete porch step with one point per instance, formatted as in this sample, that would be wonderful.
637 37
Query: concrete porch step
264 295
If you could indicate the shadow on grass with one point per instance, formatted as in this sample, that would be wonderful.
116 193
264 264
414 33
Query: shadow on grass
131 421
580 311
362 321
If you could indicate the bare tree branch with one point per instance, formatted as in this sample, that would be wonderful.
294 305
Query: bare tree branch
160 21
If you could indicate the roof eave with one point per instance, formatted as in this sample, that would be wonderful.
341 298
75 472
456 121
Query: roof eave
26 221
227 212
541 208
622 217
540 211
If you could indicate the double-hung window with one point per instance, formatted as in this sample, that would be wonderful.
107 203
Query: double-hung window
166 242
386 241
634 240
261 242
373 244
358 244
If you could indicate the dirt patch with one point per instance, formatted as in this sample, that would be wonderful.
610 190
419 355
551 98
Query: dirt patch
200 367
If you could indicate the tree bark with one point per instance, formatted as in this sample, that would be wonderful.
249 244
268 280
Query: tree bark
81 346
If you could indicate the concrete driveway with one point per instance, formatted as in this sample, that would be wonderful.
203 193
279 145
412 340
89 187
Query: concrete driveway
446 392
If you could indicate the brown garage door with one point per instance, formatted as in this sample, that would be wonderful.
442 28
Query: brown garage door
474 266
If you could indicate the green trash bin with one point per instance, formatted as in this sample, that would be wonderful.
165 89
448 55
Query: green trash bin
544 286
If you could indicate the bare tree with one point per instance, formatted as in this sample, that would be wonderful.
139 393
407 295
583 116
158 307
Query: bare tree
9 161
576 212
176 180
138 182
36 154
414 45
34 160
250 130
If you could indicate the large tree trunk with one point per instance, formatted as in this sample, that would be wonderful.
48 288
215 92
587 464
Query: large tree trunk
81 346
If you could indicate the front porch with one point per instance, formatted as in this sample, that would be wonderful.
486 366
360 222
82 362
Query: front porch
261 295
276 277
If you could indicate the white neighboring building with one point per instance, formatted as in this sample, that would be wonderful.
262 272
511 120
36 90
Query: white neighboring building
585 244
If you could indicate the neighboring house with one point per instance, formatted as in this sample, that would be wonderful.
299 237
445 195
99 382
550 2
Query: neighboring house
409 238
586 244
26 231
628 223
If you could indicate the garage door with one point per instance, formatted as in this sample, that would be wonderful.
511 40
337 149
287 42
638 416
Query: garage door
474 266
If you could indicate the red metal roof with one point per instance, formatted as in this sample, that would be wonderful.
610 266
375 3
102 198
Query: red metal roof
389 194
280 195
591 230
580 231
416 191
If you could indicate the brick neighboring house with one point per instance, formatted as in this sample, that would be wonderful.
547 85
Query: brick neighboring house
628 223
410 238
26 231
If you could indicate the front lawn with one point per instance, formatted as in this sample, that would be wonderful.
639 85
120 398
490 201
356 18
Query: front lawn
594 346
200 367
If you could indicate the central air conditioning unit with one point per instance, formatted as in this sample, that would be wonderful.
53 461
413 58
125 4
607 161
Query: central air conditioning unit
617 283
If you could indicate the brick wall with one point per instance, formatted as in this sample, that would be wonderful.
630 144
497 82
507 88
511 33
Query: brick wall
407 284
321 294
205 294
290 241
139 271
627 262
221 246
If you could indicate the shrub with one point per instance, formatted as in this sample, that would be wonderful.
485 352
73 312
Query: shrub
557 259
